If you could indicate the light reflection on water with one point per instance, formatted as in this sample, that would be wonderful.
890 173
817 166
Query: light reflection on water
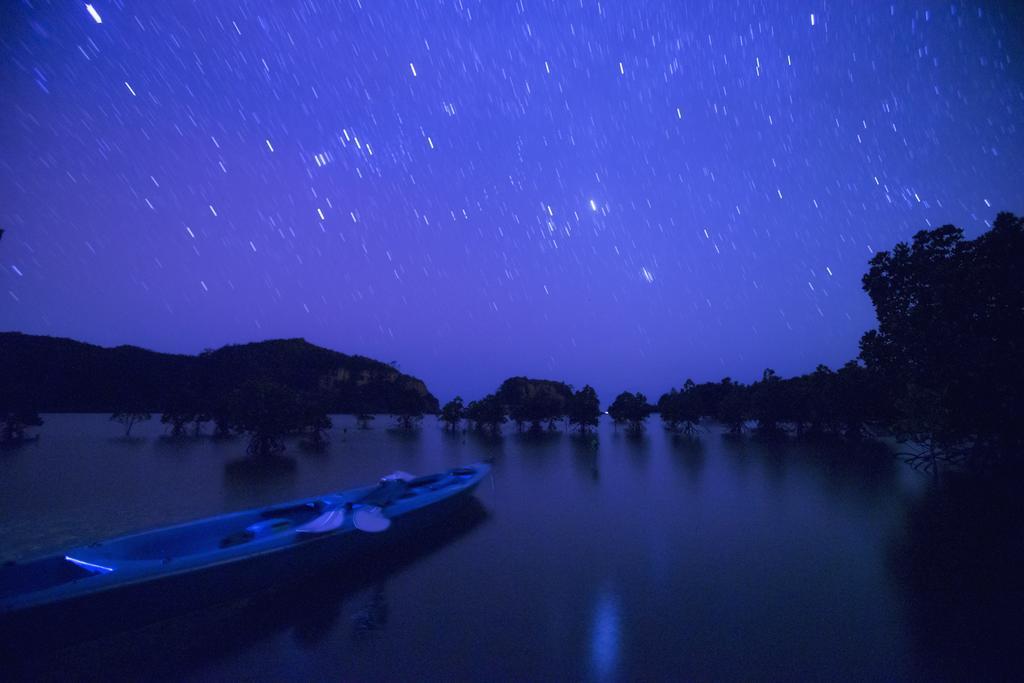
604 644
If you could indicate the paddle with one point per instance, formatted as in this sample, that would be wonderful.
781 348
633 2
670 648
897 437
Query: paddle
328 521
370 519
369 514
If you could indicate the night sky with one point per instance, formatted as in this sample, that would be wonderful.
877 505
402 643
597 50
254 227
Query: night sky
625 194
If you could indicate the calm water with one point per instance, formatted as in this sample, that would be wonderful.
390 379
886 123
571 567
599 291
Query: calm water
598 558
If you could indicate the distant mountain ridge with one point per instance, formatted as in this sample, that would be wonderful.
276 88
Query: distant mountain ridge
53 374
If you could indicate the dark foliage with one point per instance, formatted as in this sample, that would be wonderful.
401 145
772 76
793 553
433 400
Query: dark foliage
631 410
268 412
19 409
407 409
534 401
822 403
452 413
584 409
944 369
487 414
129 419
770 403
15 422
62 375
949 348
177 419
315 423
729 405
681 410
69 376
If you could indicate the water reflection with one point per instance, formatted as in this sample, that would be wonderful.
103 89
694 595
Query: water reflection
371 619
260 466
480 446
21 444
605 635
957 560
585 448
689 451
539 448
404 436
178 442
785 547
314 446
127 441
637 446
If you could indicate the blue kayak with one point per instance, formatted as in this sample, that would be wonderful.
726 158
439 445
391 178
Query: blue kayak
144 576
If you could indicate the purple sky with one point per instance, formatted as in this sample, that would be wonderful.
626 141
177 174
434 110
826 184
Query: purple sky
625 194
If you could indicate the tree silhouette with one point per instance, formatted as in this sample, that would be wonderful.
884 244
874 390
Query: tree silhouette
472 415
199 418
14 424
95 379
176 419
681 410
222 425
452 412
363 420
407 409
949 347
822 403
130 419
181 410
487 414
859 400
268 412
519 415
816 396
584 409
492 413
534 401
733 409
315 421
631 409
768 403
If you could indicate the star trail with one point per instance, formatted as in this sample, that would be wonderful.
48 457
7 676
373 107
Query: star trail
624 194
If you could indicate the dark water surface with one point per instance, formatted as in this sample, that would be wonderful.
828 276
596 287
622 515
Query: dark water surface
604 558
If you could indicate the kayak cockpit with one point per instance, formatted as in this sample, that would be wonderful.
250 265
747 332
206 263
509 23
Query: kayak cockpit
204 537
260 529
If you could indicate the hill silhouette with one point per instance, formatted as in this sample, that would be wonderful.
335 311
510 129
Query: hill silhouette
53 374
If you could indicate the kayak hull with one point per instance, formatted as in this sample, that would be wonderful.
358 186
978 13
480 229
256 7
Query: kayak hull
75 615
